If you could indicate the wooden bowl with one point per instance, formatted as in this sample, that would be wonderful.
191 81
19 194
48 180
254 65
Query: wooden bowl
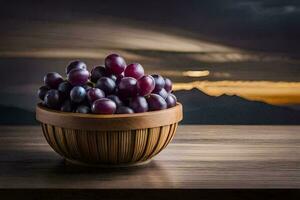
109 140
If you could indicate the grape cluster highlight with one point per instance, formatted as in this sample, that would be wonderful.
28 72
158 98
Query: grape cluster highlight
115 88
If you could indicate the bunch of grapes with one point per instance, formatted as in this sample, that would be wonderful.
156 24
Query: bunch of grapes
114 88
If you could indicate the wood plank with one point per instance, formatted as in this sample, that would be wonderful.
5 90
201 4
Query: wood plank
198 157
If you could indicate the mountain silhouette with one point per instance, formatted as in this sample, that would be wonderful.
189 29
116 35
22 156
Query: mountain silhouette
16 116
200 108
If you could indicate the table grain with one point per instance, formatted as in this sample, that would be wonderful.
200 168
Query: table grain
199 157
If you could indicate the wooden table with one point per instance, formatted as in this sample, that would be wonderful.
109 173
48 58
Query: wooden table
227 159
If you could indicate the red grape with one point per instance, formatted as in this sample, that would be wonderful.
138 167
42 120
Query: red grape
106 84
97 72
115 64
145 85
78 77
134 70
94 93
104 106
53 79
77 64
159 82
168 85
156 102
127 87
124 110
139 104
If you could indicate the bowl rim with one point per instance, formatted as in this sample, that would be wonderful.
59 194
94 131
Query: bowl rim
109 122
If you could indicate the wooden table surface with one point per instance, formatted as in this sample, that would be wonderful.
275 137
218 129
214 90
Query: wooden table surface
199 157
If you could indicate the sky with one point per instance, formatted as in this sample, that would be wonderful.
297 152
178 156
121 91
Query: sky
246 48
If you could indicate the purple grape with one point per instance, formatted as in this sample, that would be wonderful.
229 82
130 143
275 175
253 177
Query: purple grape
65 88
171 100
173 96
95 93
67 106
163 93
134 70
145 85
78 77
53 99
53 79
159 82
83 109
127 87
42 92
104 106
115 64
168 85
97 72
77 64
77 94
139 104
156 102
115 99
106 84
124 110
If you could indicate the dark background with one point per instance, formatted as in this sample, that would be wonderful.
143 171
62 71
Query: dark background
250 49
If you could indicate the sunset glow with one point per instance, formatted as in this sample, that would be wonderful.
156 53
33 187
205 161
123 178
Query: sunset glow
277 93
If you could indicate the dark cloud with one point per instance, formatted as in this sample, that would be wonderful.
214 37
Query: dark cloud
270 25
